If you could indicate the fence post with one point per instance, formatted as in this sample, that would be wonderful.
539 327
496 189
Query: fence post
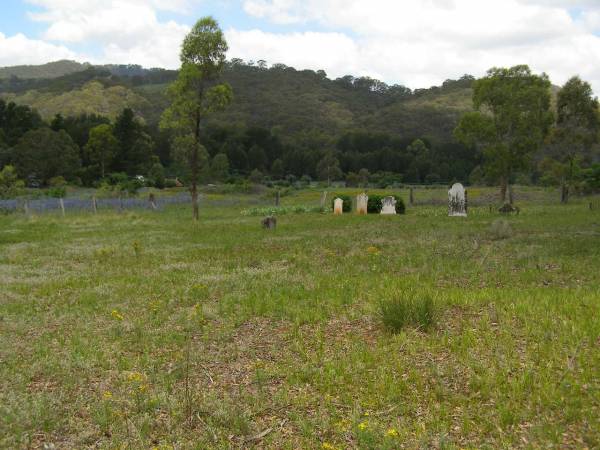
466 202
277 198
26 207
94 204
411 197
152 201
62 206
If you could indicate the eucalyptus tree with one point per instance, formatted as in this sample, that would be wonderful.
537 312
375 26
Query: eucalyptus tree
577 128
195 94
512 118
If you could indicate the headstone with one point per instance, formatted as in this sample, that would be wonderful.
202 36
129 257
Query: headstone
388 205
338 207
457 203
269 223
323 199
361 204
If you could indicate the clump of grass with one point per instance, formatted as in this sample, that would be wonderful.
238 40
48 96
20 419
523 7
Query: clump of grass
408 308
500 229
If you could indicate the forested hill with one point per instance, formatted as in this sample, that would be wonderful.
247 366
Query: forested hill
49 70
292 102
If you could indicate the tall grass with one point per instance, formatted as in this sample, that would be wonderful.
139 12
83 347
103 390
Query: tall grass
408 308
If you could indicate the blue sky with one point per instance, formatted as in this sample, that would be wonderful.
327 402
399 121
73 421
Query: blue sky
418 44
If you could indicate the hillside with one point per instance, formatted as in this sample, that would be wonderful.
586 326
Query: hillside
51 70
280 97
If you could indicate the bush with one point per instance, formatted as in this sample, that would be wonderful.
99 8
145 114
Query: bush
408 308
375 204
57 192
500 229
347 207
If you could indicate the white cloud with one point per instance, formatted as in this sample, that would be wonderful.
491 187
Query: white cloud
127 31
18 49
422 43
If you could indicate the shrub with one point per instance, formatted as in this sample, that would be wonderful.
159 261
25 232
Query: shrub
375 203
347 202
500 229
57 192
408 308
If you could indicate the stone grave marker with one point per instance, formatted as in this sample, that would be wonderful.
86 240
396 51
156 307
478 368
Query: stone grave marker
361 204
388 206
338 206
457 201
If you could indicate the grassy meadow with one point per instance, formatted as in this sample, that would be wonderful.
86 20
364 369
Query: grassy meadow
143 330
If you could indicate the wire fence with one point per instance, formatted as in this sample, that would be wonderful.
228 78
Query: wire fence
93 204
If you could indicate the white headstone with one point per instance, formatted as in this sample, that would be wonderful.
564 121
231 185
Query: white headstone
338 206
388 205
361 204
457 201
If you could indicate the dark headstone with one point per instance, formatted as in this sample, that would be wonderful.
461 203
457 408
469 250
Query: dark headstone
269 223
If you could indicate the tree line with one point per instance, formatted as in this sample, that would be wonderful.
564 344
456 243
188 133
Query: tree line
515 133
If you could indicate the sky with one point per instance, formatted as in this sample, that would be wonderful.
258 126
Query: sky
416 43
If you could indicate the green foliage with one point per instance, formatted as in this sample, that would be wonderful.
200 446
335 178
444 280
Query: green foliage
45 154
281 210
135 147
512 119
10 185
375 203
277 169
101 147
156 175
328 168
15 121
408 308
347 205
256 176
219 167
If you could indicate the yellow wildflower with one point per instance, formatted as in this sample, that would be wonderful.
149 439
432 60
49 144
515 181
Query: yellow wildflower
116 315
391 432
373 250
135 377
363 426
107 395
328 446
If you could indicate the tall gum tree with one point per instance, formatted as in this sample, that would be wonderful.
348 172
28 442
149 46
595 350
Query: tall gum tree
196 94
577 128
511 120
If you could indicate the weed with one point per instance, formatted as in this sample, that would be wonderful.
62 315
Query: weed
408 308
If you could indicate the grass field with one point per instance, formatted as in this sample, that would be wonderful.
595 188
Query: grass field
145 330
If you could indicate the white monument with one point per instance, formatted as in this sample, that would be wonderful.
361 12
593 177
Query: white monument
388 205
457 201
338 206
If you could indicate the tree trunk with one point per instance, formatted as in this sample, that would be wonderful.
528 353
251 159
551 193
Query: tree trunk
195 169
503 188
564 193
194 188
